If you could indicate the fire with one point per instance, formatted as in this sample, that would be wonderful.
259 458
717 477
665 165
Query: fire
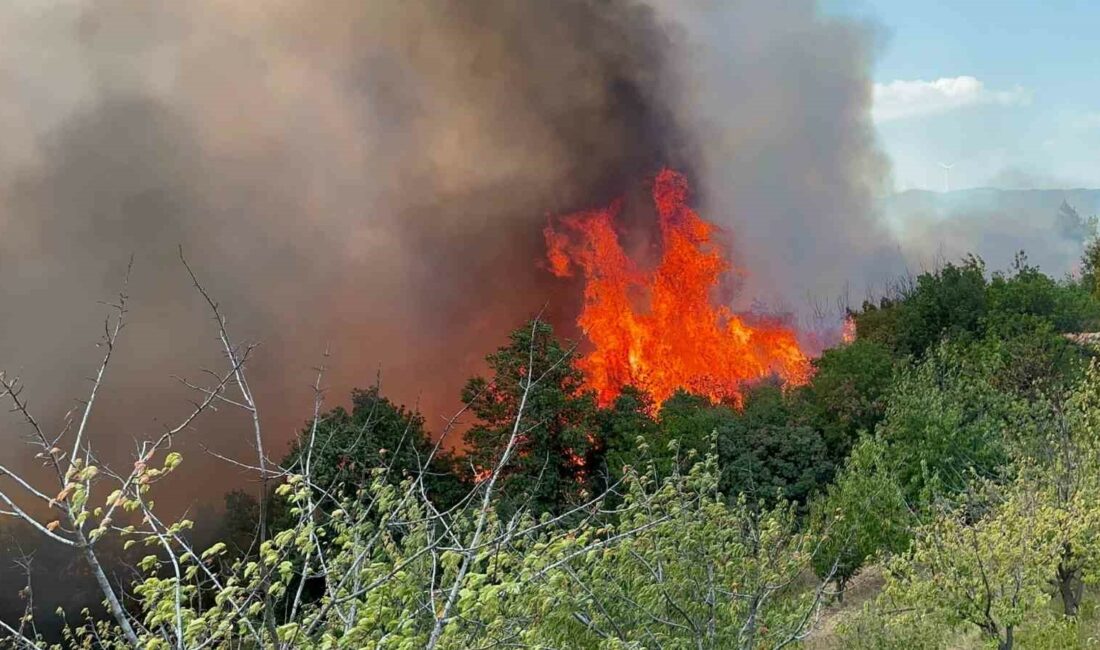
681 339
848 330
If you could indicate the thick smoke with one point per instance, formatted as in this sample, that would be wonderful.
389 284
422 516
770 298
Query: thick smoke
779 96
372 178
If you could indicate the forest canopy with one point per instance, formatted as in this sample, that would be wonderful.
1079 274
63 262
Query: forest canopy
947 453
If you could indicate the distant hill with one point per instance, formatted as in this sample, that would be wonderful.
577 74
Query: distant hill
995 224
959 202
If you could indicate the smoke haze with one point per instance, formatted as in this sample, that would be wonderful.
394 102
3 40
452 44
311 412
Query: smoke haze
1051 226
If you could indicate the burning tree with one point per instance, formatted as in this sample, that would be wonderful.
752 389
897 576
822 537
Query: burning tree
661 329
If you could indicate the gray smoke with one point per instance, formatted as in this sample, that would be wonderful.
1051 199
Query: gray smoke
780 96
373 177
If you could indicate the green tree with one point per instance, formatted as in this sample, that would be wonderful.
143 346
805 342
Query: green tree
765 453
1090 268
621 426
701 572
993 573
947 423
686 425
848 393
1025 292
946 304
862 515
949 303
878 322
345 449
946 426
547 472
1062 468
1032 359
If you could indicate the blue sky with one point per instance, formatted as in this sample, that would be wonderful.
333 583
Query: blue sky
1008 91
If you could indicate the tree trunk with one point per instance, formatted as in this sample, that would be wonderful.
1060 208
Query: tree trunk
1070 588
1006 643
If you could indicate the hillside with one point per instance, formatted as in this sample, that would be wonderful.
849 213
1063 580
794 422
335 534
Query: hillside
994 224
987 199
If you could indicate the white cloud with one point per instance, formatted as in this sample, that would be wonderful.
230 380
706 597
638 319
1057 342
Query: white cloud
905 98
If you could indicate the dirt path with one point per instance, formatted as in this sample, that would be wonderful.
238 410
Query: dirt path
862 588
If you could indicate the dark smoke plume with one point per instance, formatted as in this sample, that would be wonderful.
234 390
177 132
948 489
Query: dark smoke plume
373 177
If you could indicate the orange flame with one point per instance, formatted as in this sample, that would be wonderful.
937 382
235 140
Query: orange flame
684 340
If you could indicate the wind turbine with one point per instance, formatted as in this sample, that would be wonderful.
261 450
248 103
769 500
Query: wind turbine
946 176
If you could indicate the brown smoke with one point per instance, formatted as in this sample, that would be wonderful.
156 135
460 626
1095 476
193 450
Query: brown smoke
372 177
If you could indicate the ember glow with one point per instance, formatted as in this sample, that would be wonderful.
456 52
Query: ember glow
661 329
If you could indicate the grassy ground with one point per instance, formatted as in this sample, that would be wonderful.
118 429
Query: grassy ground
865 587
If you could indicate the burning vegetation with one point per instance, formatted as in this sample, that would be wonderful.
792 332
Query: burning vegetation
662 329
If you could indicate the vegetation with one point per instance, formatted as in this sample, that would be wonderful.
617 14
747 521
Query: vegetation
952 448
